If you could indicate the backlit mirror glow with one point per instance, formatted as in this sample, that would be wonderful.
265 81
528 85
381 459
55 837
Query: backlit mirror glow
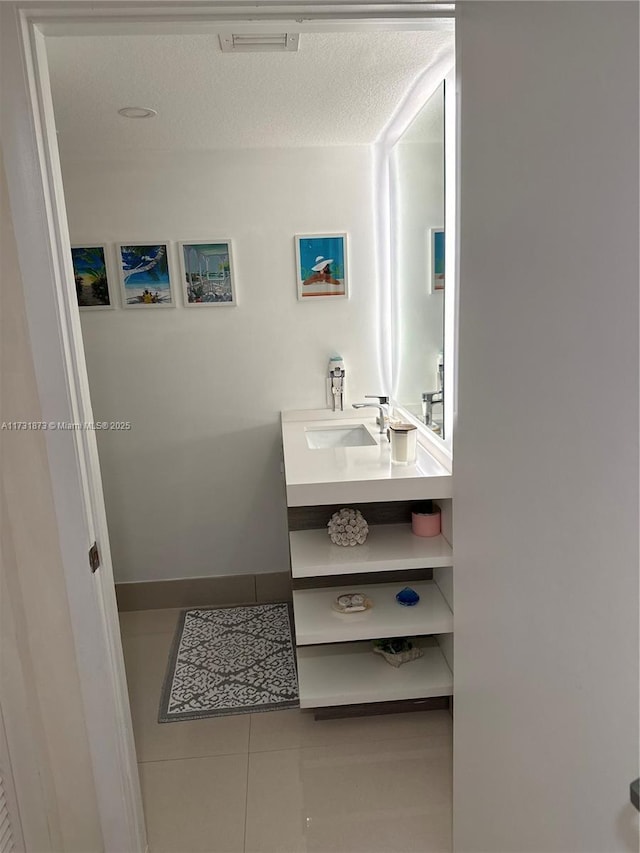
418 217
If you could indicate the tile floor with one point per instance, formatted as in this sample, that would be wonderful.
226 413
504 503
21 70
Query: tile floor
280 782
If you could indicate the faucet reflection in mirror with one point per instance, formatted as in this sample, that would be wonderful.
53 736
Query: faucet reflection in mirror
431 398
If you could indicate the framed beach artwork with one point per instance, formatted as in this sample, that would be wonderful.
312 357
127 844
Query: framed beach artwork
436 253
144 275
91 276
321 266
208 276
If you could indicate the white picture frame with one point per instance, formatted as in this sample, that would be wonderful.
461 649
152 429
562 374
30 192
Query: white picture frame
313 280
437 270
137 284
202 285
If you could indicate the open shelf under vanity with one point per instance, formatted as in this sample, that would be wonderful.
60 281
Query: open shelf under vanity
350 674
388 546
316 622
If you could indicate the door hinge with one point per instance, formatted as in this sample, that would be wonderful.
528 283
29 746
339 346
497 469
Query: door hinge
94 558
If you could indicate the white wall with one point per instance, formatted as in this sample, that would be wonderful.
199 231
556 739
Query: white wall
195 489
546 448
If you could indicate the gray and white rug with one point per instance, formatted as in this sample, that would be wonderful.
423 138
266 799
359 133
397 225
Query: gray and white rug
230 660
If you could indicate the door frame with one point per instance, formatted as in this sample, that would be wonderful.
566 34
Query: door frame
36 196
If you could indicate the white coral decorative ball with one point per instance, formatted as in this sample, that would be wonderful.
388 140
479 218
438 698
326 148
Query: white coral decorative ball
348 527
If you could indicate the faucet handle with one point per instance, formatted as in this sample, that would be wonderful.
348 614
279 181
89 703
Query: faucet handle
432 396
383 400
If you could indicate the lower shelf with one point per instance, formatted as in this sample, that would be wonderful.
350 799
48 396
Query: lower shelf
351 674
317 622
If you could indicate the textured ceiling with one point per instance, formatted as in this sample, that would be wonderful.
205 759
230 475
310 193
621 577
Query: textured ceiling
339 89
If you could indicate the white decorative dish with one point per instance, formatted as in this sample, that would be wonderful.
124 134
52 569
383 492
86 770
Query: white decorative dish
351 602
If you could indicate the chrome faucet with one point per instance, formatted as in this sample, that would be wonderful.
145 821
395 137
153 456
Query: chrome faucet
429 399
382 406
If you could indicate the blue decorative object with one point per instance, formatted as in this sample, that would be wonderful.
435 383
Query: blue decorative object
408 597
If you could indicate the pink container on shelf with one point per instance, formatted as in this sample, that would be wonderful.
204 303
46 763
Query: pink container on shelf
426 523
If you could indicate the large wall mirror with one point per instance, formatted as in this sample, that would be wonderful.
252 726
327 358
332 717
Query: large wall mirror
421 273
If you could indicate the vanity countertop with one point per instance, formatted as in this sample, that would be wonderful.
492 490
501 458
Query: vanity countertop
353 474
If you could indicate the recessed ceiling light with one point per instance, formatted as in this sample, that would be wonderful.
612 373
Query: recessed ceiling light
137 112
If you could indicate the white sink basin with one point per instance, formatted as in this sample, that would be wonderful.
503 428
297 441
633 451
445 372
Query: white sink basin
339 436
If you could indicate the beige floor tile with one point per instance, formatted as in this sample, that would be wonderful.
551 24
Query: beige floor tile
361 797
195 805
136 622
289 729
146 657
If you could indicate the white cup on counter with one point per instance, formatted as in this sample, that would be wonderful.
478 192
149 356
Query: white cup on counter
404 443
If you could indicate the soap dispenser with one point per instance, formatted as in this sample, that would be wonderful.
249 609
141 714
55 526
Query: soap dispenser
336 382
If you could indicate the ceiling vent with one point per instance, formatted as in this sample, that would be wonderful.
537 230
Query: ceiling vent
258 43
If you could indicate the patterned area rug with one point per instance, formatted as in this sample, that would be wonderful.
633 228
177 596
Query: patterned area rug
230 660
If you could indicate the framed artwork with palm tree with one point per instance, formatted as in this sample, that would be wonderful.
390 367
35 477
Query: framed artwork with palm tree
145 275
93 288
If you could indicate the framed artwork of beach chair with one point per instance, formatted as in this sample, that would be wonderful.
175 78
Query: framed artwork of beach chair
208 277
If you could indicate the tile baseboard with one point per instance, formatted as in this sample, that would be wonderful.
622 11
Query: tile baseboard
201 592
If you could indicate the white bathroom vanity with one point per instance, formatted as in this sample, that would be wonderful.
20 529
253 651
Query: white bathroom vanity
336 663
